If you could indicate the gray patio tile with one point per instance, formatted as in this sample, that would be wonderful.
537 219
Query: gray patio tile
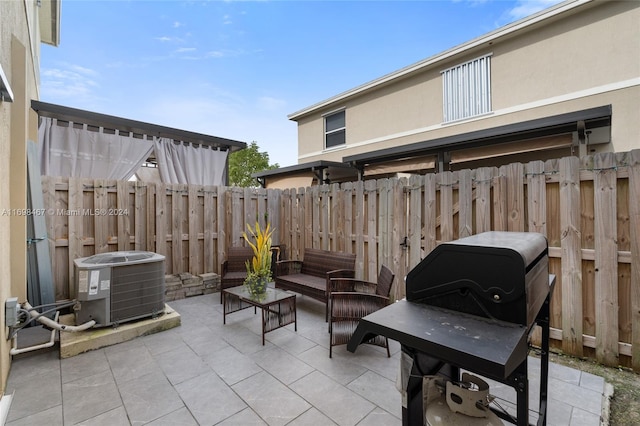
31 365
317 332
591 381
289 340
231 365
206 341
117 416
312 417
149 397
270 399
29 378
180 417
379 417
243 339
50 417
558 413
199 306
191 331
209 399
89 396
123 347
371 357
309 306
562 372
196 315
246 417
583 418
181 364
83 365
132 363
379 390
163 341
576 396
341 369
340 404
281 365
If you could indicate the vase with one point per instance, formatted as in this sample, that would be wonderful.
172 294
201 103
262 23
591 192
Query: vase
257 286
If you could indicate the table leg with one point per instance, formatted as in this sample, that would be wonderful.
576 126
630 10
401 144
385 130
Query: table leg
224 307
264 323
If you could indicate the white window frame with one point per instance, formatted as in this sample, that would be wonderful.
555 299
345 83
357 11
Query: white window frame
333 131
466 89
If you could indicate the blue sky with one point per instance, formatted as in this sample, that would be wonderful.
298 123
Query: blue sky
236 69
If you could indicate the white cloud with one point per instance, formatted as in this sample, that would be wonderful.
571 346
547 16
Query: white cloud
525 8
83 70
224 53
268 103
69 82
186 49
177 24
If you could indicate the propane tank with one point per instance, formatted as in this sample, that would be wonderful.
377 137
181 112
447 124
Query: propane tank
458 404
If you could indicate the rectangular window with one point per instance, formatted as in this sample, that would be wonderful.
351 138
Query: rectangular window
334 130
466 89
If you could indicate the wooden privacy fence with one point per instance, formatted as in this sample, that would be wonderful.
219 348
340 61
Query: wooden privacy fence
589 210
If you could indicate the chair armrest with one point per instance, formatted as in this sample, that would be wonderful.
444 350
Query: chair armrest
341 273
355 305
287 267
338 273
351 285
224 268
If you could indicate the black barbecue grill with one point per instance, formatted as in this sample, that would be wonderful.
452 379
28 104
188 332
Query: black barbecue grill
471 304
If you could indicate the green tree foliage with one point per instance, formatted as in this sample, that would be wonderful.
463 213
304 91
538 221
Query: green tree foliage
245 162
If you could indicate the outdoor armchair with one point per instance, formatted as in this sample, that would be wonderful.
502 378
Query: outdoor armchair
351 299
234 268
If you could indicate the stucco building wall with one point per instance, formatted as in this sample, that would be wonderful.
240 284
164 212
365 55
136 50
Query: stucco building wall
577 60
19 45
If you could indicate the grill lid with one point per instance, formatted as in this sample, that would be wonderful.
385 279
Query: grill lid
529 245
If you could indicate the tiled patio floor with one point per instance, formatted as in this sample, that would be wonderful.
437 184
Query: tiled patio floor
207 373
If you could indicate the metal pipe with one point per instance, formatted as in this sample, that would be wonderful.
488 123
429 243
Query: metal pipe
55 324
14 344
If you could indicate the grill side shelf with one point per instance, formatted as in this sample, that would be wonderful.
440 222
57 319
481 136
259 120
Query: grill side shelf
490 347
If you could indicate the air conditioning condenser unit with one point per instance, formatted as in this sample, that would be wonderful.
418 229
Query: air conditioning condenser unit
115 287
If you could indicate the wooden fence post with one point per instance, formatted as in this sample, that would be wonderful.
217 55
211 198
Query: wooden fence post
606 260
465 202
634 214
571 256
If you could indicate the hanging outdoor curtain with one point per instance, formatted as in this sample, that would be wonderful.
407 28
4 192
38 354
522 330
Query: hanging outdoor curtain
67 151
186 163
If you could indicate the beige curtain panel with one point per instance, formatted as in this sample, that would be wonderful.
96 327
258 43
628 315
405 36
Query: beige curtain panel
187 163
67 151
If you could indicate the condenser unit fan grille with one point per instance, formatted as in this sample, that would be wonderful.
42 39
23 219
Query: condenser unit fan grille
137 291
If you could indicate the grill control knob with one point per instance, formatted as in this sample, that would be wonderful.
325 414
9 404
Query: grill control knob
496 297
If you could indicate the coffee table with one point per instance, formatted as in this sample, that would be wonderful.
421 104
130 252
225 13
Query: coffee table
278 306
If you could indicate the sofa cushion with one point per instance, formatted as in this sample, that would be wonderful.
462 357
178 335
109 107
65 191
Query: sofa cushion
319 283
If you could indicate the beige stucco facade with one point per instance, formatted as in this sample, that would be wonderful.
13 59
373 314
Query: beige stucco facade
579 55
19 53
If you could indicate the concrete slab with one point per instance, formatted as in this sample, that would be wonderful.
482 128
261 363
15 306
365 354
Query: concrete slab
76 343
